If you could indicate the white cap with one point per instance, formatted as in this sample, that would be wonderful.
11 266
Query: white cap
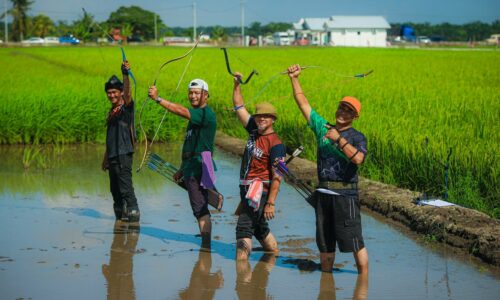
198 84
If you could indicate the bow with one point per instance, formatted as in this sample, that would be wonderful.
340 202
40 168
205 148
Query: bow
146 100
230 72
266 84
124 57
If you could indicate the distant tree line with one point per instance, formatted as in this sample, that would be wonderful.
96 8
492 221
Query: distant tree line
135 22
475 31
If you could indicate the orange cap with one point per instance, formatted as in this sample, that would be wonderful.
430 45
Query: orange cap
353 102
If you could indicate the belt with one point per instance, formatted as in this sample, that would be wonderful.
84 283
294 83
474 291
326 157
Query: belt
187 155
338 185
249 182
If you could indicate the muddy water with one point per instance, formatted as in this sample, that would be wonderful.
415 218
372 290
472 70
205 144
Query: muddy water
60 241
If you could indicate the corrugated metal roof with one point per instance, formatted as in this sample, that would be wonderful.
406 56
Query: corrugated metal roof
341 22
315 23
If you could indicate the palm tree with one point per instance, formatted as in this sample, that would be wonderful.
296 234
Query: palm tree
18 13
42 26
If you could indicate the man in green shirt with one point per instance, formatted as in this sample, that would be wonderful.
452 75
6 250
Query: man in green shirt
199 142
341 149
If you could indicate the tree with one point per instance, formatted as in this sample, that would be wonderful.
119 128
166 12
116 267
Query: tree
218 33
84 28
276 27
142 21
19 17
126 32
42 26
63 28
255 29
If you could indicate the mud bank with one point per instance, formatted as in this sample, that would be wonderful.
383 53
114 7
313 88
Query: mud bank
465 229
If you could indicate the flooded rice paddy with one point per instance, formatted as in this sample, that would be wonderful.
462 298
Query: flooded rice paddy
59 240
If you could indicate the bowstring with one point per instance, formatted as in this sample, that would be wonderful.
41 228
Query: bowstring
173 94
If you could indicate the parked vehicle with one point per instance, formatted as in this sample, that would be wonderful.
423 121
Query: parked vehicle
33 40
423 40
135 39
494 39
69 40
51 40
282 39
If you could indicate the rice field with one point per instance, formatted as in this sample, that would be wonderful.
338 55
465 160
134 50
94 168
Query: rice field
417 104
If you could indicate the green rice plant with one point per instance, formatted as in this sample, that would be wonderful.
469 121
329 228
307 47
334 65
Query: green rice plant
30 154
449 98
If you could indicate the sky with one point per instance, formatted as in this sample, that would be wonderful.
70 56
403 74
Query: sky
228 12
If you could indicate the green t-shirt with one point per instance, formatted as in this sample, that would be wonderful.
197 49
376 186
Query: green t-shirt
200 135
333 165
325 148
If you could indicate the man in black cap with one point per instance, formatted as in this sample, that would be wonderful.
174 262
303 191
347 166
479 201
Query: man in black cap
120 137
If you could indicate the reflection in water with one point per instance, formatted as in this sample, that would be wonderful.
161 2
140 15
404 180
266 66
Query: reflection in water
119 272
327 287
203 284
252 285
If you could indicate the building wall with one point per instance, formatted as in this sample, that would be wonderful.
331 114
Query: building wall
358 37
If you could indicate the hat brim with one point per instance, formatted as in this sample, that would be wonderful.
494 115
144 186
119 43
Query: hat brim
270 114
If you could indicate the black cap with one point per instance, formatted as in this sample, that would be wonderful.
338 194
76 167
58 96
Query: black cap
113 83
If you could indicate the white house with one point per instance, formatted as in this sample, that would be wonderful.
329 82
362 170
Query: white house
352 31
312 29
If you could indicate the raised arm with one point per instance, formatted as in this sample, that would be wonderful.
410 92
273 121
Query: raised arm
127 91
239 107
168 105
300 98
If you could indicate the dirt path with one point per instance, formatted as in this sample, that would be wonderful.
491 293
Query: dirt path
470 231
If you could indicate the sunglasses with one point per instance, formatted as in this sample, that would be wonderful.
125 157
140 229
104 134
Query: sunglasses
346 108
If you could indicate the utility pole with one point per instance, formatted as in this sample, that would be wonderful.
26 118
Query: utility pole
6 32
242 5
194 21
156 30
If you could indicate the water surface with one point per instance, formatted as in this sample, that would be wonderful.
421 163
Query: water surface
60 241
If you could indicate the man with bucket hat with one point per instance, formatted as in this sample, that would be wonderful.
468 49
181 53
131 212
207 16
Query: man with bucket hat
341 148
197 151
259 183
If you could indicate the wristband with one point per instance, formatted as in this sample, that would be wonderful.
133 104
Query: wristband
342 148
238 107
269 203
338 139
158 99
356 153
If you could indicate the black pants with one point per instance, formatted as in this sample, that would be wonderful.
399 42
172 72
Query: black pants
338 221
120 182
198 197
252 223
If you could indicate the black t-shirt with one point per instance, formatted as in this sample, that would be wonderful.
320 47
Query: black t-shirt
335 168
120 132
333 165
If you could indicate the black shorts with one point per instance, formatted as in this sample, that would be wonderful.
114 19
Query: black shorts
338 220
198 197
252 223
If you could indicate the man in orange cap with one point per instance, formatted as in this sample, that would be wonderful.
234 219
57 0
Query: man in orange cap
259 183
341 148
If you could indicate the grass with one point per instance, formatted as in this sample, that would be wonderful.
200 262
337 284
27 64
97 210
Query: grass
416 105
